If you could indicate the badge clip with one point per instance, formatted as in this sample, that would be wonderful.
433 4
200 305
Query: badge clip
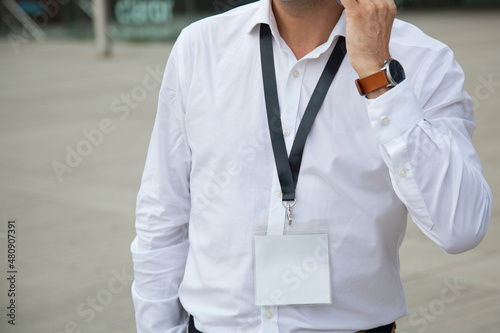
289 210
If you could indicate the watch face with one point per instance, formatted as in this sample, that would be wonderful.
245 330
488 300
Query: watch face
397 72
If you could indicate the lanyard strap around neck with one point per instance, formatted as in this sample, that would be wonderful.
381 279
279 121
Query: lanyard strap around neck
289 167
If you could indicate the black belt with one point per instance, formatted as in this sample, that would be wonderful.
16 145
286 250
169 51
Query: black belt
381 329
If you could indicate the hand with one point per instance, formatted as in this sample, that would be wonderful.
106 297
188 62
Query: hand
368 31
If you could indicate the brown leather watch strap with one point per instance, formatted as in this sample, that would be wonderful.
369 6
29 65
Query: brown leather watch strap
372 83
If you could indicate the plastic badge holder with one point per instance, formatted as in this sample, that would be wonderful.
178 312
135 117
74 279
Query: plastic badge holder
294 268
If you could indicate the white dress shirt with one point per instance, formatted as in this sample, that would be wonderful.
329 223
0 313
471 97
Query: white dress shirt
210 174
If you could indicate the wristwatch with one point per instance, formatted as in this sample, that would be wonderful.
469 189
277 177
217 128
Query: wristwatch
390 75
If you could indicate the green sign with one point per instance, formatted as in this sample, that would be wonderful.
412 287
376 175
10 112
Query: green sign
144 19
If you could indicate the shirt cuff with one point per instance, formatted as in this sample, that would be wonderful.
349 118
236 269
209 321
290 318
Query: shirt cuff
158 316
394 112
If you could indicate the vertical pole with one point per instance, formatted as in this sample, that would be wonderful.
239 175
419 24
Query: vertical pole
100 14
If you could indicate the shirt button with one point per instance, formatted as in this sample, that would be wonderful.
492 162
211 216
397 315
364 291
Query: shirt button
295 73
279 193
403 173
384 121
269 314
286 132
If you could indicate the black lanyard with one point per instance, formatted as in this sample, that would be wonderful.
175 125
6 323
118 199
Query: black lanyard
289 166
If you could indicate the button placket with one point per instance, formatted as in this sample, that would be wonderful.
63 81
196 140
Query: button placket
269 315
291 101
384 120
269 318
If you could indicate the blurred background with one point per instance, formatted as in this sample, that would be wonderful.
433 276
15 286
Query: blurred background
141 19
79 81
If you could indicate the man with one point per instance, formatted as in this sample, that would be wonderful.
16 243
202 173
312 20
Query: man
228 232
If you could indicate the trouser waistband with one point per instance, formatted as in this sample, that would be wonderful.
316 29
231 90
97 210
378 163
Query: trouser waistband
382 329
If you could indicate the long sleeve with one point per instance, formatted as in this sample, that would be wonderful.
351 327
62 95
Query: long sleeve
210 166
163 204
425 126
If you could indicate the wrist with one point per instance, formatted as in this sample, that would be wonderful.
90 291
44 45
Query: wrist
377 93
378 83
368 70
369 67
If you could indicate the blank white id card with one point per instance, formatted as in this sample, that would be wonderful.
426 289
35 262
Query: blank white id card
292 270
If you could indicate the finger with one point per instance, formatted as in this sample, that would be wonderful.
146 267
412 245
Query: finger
370 7
393 8
385 5
350 4
379 4
385 9
391 4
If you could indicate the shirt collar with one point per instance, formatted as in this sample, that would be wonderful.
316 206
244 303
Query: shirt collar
265 15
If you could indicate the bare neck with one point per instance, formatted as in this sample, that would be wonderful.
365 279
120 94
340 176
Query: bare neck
306 24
